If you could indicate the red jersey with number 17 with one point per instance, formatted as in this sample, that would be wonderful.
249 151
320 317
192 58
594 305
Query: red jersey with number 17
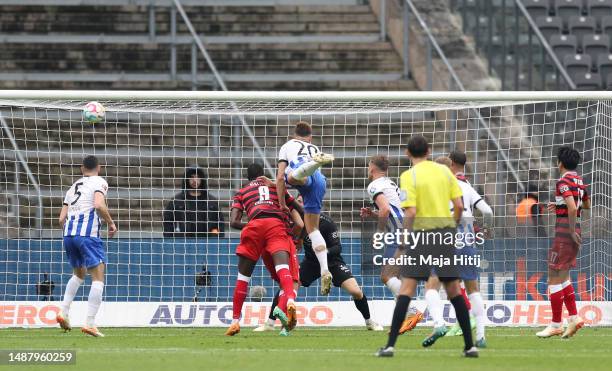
569 185
260 201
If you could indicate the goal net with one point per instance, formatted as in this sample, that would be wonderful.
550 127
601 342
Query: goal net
175 243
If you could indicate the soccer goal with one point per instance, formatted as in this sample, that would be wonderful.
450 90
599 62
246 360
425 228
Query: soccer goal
173 263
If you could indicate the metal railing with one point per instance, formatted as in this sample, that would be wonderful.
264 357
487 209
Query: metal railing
410 8
221 84
24 163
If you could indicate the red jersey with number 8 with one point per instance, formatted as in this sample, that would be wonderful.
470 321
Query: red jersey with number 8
569 185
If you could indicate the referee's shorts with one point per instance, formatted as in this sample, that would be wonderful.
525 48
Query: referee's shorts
427 256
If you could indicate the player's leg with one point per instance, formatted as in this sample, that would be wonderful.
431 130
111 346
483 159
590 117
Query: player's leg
269 324
286 310
95 260
301 170
311 222
453 291
343 277
77 279
407 289
241 289
94 300
435 308
574 322
478 310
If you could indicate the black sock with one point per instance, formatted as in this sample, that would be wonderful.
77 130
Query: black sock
274 304
463 317
362 306
399 314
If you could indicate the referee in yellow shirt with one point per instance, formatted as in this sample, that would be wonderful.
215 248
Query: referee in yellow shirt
427 189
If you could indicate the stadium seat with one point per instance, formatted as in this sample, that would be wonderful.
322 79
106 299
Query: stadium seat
565 9
577 64
609 82
581 26
549 26
595 45
536 8
606 25
563 45
599 9
587 81
604 66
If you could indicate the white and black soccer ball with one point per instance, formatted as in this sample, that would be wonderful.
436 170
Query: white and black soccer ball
257 293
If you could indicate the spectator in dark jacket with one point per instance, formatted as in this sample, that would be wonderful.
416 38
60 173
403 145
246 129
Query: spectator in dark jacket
193 213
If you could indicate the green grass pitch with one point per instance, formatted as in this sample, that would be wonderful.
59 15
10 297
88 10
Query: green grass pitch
335 349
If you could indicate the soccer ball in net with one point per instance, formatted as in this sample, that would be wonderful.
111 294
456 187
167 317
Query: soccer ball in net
257 293
93 112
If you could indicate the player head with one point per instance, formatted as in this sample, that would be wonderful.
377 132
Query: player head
417 148
254 171
458 160
567 159
443 160
303 131
300 200
378 167
90 166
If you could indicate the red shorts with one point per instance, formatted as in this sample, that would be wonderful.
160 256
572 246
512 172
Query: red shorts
265 234
562 254
294 265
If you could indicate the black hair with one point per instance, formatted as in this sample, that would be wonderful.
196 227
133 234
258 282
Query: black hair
569 157
254 171
90 162
458 157
381 162
418 146
303 129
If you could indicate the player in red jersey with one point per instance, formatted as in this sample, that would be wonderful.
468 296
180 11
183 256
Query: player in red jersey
570 198
266 232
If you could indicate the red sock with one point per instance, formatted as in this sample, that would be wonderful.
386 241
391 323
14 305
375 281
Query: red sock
465 297
569 298
240 294
556 302
286 284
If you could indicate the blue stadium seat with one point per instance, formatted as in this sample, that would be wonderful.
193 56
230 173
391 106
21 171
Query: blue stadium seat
595 45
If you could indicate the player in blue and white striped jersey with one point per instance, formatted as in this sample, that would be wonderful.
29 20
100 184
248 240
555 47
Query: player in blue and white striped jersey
84 204
385 197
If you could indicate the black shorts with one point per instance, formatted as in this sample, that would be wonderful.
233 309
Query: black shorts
427 256
310 271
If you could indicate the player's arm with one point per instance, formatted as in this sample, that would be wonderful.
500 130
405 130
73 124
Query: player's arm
63 214
383 212
280 184
408 198
102 209
236 218
572 212
298 227
456 196
457 208
409 216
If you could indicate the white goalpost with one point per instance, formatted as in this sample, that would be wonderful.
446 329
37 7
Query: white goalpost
173 262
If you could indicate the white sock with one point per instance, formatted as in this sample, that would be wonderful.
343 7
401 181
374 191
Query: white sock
270 322
555 324
71 289
305 170
317 242
435 307
93 302
478 311
394 284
